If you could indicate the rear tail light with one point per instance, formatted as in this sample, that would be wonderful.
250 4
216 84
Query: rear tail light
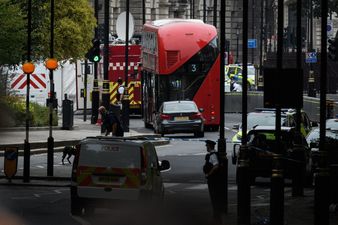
143 167
213 112
165 117
196 116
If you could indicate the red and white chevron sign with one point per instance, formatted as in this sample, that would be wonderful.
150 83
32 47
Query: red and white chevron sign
37 81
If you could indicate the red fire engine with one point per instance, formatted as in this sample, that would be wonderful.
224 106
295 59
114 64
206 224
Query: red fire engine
117 69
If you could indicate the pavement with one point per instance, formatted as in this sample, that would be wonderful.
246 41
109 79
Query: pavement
15 136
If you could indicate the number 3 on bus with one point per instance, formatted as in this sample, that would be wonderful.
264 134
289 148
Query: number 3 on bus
181 61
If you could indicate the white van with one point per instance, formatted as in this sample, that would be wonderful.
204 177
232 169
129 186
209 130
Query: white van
108 169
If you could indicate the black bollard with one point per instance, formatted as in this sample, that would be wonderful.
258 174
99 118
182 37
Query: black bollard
277 192
243 190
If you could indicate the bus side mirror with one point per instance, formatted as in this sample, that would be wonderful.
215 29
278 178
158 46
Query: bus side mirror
201 110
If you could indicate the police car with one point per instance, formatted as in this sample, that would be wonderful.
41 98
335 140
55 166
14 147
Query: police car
107 170
267 117
262 147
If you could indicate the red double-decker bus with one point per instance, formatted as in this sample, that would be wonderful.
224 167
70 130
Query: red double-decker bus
181 61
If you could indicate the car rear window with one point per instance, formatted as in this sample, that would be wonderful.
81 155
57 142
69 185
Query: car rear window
180 107
110 155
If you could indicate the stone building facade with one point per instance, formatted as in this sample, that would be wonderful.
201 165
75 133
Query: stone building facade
162 9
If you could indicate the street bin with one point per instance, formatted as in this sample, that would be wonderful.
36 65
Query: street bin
67 114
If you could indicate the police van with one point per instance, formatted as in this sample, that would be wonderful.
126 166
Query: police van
110 170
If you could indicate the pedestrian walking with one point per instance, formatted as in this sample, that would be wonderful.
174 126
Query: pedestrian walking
213 175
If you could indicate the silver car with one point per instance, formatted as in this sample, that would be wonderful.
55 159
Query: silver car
179 117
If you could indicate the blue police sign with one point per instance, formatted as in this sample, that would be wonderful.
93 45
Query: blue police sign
252 43
311 57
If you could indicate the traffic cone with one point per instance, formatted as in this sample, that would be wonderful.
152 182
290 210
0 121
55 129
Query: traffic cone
99 120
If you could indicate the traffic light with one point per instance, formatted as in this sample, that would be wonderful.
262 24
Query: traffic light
333 49
93 54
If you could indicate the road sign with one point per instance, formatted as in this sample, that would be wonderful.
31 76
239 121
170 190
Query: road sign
252 43
37 81
311 57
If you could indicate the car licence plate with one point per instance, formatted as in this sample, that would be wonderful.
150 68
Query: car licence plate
181 118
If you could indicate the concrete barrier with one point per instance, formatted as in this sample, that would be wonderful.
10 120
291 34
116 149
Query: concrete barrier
233 104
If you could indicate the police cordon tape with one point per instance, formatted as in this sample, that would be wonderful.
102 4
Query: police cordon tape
41 147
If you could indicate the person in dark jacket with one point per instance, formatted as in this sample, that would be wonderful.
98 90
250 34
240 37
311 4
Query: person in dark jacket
111 123
212 173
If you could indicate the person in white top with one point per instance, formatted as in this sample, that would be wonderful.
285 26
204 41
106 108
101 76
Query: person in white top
237 87
120 90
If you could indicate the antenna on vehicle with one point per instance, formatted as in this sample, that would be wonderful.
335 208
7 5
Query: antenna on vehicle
121 26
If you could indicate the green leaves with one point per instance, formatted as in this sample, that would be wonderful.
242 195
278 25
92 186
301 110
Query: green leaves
73 31
12 33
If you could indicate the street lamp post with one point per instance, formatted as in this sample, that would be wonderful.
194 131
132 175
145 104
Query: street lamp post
243 192
253 29
105 83
221 141
26 167
311 79
204 11
215 13
322 173
237 42
50 140
95 92
125 100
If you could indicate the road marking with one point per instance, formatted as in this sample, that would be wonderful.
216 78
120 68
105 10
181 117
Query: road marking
22 198
80 220
169 185
36 195
201 153
161 146
190 186
41 167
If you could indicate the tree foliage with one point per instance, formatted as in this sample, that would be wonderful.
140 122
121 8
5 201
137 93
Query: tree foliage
12 33
73 30
74 24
